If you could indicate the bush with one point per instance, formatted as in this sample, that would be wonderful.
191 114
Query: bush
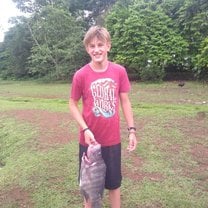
152 73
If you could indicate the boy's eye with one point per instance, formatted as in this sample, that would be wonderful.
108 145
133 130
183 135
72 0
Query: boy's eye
98 45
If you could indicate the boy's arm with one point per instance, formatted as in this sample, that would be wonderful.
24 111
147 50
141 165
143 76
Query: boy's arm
128 114
74 109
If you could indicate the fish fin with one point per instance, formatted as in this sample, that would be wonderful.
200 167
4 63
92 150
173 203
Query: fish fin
85 194
85 159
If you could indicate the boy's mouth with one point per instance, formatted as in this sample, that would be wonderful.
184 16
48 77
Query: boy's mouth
97 54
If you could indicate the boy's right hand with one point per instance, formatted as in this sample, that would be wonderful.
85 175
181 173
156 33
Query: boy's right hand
89 137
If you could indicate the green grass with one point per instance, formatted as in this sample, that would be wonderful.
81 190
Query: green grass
51 175
168 122
53 105
33 89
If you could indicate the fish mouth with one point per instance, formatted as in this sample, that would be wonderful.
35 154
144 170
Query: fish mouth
97 145
86 159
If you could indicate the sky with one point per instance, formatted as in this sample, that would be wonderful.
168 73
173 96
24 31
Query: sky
7 10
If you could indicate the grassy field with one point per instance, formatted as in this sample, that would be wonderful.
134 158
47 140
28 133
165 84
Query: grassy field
38 147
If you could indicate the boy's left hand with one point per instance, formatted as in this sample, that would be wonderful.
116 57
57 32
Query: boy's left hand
132 142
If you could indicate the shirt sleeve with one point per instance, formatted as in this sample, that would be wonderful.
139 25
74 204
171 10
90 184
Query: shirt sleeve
124 81
76 87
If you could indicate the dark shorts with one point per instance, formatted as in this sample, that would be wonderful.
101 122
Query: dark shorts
112 157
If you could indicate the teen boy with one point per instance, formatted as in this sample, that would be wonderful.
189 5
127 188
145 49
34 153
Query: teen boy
103 86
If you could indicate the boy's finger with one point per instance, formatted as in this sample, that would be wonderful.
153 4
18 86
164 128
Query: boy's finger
93 141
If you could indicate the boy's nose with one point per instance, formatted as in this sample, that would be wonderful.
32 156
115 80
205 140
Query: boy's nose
96 48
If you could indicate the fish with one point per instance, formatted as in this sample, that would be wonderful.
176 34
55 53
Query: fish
92 175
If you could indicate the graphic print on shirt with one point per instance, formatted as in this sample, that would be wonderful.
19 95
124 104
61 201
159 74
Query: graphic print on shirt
103 92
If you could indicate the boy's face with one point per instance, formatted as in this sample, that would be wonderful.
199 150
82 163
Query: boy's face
98 50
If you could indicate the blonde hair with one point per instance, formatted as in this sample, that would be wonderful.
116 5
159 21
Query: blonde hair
99 32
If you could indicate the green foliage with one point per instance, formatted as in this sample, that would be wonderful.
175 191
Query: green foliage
15 50
152 72
192 22
4 59
58 47
90 11
149 37
144 40
36 6
191 19
202 61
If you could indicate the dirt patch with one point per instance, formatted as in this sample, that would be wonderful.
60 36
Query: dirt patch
195 128
201 115
195 131
200 171
133 170
135 173
200 154
155 204
54 128
17 197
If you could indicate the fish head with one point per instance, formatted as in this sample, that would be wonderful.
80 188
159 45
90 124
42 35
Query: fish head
94 152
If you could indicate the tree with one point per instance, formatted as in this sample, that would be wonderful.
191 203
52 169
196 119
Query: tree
193 22
15 50
149 36
145 40
190 16
57 49
90 10
35 6
202 61
4 60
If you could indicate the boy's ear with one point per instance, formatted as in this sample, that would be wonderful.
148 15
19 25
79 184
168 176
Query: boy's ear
109 46
86 48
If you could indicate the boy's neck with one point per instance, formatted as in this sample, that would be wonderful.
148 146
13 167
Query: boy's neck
99 67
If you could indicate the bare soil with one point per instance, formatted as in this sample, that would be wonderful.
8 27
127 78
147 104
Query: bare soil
53 127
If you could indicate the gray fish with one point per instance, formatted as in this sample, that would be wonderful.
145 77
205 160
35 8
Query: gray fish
92 175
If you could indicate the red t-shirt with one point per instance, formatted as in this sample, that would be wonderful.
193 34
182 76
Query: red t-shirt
100 97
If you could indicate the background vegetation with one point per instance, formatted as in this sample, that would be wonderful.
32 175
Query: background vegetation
154 39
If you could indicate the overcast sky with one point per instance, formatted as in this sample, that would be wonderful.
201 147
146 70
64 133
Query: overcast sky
7 10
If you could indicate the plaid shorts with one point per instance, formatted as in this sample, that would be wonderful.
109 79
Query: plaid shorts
112 157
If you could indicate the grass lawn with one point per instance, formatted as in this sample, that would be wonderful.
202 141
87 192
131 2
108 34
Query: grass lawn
39 149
